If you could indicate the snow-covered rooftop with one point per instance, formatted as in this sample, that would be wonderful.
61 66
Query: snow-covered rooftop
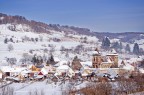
63 67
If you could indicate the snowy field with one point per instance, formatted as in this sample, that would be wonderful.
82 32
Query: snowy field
26 88
44 87
47 88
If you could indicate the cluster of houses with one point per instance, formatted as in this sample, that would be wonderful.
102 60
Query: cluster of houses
32 72
100 65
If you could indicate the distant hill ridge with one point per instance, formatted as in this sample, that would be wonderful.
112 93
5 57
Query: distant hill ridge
41 27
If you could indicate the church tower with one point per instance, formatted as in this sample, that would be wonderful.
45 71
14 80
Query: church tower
96 60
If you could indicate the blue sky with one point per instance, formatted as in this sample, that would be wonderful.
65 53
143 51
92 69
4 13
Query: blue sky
97 15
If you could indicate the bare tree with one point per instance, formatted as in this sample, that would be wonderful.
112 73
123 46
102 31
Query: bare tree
7 90
10 47
62 49
52 49
42 92
36 92
102 88
6 40
45 50
41 38
11 61
30 93
26 58
67 54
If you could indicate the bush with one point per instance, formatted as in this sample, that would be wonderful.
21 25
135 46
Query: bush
102 88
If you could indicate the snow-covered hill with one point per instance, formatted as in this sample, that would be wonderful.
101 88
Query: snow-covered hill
19 36
24 42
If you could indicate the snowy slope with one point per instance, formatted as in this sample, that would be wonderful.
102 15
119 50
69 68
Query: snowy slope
68 41
78 45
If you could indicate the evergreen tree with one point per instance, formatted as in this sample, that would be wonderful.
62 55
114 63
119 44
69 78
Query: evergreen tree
32 39
115 45
41 60
103 43
51 58
37 61
36 39
47 63
106 43
136 49
11 40
34 59
127 48
120 46
5 40
141 51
